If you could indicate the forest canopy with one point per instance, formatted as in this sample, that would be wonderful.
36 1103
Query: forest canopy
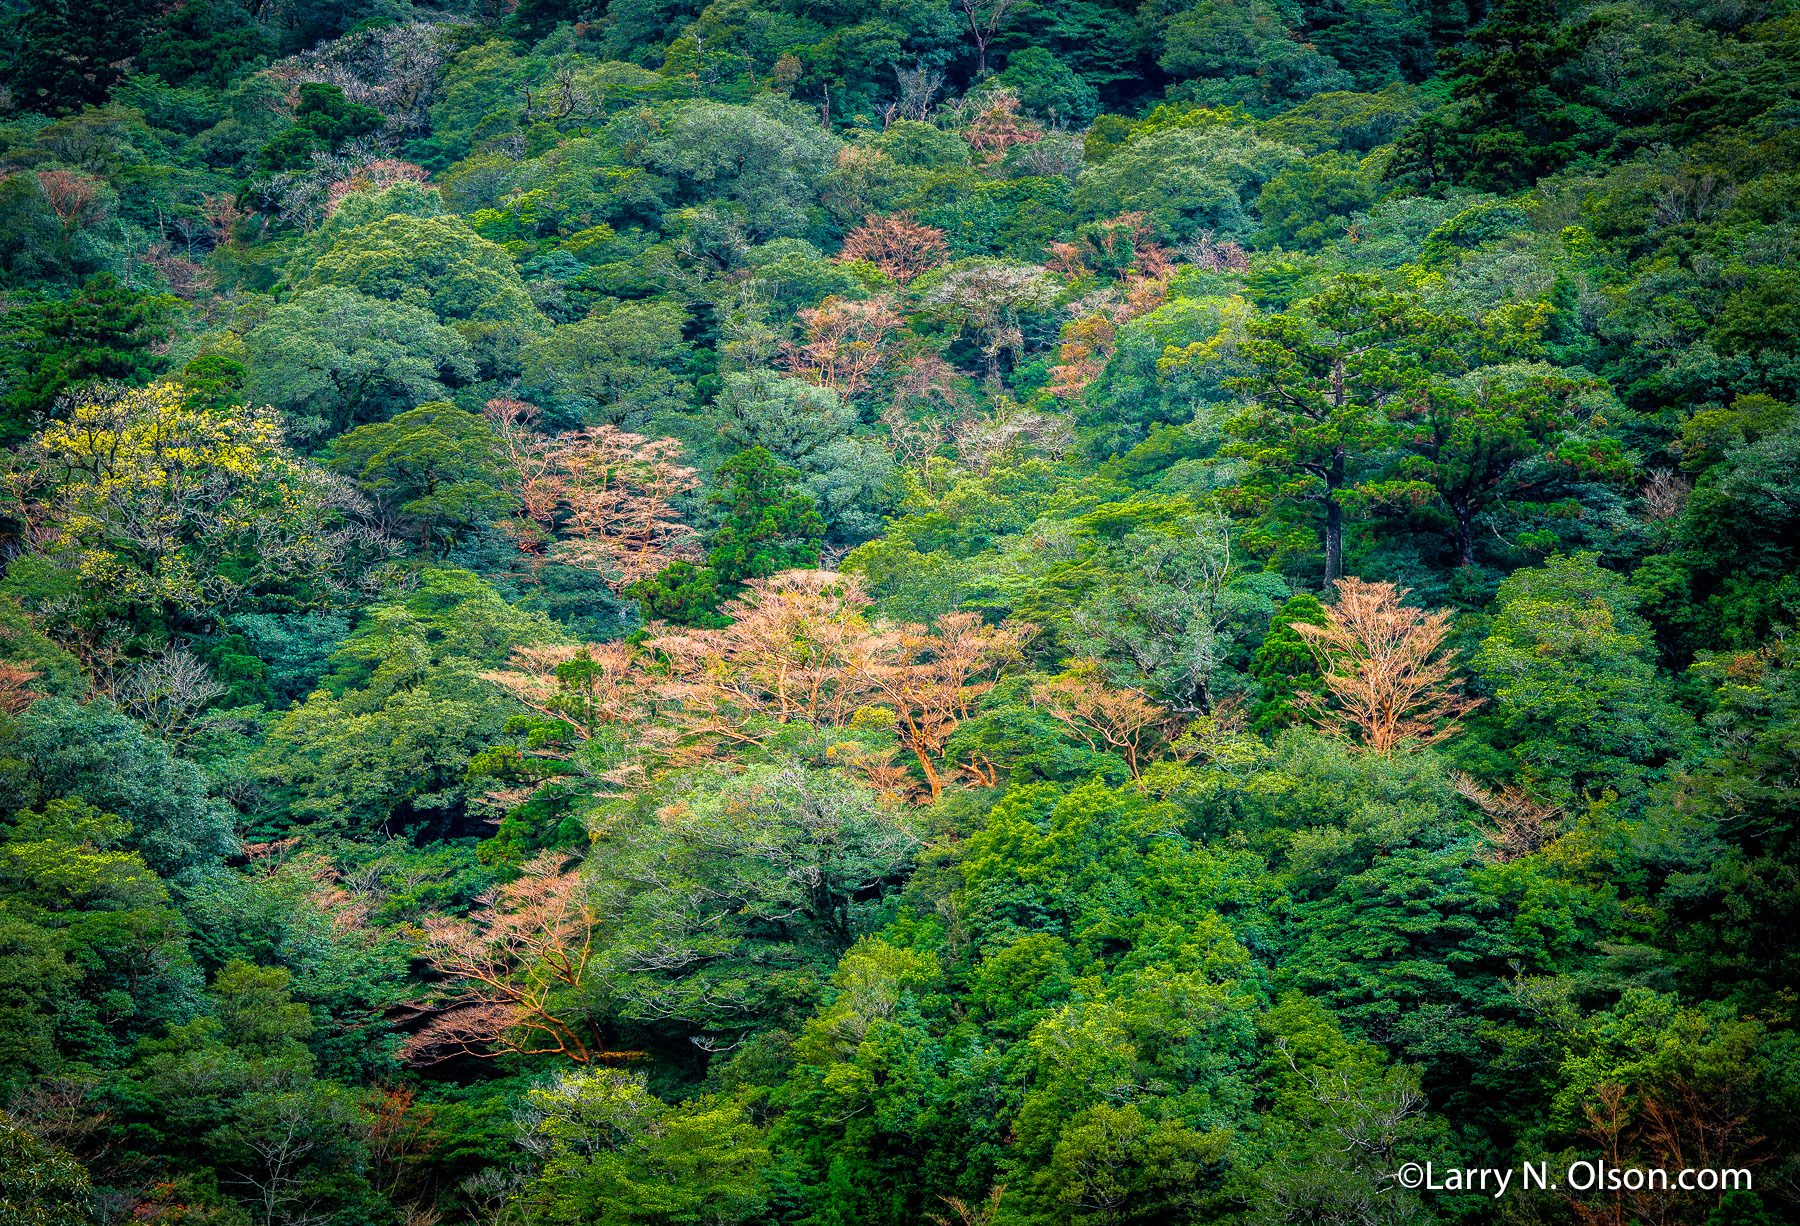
764 613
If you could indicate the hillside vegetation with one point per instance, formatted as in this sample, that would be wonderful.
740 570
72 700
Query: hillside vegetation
797 613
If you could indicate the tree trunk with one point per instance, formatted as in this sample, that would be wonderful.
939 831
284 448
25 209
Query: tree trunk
1334 539
931 775
1465 536
1334 521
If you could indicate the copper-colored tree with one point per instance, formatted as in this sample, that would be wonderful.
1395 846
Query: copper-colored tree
15 691
933 680
513 972
76 198
401 1141
531 477
1104 715
898 244
1123 247
372 176
794 651
609 495
618 491
1389 681
984 1214
797 649
845 343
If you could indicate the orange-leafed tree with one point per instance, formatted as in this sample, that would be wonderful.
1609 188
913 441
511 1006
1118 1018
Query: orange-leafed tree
1388 679
797 649
619 491
513 973
1104 715
932 680
800 648
844 343
531 472
599 499
1122 247
1521 822
898 244
1091 337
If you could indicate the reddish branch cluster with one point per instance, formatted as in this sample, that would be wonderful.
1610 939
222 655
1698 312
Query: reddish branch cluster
373 177
15 691
1123 247
800 648
1104 715
845 343
999 127
598 499
898 244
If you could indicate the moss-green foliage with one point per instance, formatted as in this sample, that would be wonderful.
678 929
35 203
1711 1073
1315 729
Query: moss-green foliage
103 331
40 1185
323 121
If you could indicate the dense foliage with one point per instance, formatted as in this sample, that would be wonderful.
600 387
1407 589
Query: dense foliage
812 614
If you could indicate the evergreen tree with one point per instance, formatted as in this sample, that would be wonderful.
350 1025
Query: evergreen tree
104 331
766 530
1284 665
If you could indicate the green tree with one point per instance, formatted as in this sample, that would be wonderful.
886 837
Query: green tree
731 913
1511 123
436 262
331 357
386 741
1578 703
1048 87
613 1152
1310 202
1284 665
616 367
103 331
63 55
1161 618
1187 179
1319 380
207 41
1521 446
766 529
39 1184
682 593
760 162
56 750
323 121
1725 834
236 1089
108 916
433 472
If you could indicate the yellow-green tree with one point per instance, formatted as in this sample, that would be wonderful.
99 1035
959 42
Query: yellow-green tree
153 502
